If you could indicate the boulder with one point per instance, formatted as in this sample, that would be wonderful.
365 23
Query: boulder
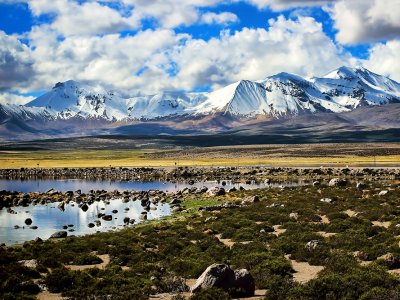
337 182
28 221
107 218
216 275
326 200
313 244
216 191
361 185
31 263
383 193
250 200
59 235
244 283
61 206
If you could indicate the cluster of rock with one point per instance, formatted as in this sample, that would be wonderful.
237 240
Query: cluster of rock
192 174
239 283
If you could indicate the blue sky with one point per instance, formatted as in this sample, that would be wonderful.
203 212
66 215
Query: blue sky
189 45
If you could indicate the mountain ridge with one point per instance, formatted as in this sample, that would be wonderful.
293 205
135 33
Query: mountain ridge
72 108
282 94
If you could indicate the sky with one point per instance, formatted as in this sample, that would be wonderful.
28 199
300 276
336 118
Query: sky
188 45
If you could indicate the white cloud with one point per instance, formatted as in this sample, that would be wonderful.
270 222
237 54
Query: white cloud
14 99
221 18
384 59
298 46
88 18
155 60
279 5
15 62
361 21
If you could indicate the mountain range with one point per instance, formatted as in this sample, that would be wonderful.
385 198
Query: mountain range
72 108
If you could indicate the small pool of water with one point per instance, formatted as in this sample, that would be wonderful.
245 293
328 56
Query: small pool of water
49 219
63 185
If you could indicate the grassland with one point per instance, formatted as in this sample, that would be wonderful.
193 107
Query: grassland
273 155
357 250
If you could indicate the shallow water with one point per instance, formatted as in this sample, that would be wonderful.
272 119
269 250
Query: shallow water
43 185
50 219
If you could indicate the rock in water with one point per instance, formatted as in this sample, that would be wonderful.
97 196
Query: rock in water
216 275
59 235
244 283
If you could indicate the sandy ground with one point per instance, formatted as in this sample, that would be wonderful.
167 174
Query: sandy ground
105 258
304 271
278 230
49 296
382 224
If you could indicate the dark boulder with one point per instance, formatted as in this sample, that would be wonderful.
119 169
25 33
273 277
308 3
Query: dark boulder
244 283
216 275
59 235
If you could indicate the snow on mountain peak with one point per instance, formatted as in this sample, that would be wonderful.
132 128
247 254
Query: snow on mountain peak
282 94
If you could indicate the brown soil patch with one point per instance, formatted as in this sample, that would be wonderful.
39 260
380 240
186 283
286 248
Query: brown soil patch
227 242
350 213
382 224
46 295
104 257
325 220
304 271
326 234
278 230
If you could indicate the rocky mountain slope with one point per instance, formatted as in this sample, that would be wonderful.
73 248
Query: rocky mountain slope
91 108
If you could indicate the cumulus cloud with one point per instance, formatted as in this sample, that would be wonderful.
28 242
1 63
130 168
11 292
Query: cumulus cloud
161 59
14 99
221 18
384 59
360 21
279 5
298 46
16 64
88 18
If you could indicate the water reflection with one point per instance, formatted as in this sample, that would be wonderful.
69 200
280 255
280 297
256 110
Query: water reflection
49 219
43 185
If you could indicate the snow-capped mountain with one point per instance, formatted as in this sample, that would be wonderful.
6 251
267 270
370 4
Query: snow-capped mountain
284 94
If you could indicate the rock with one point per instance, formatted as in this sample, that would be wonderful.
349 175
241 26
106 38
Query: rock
216 191
383 193
244 283
312 245
316 183
216 275
115 211
31 263
176 209
126 220
91 225
84 207
326 200
59 235
250 200
294 216
175 201
107 218
38 240
28 221
361 186
337 182
61 206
